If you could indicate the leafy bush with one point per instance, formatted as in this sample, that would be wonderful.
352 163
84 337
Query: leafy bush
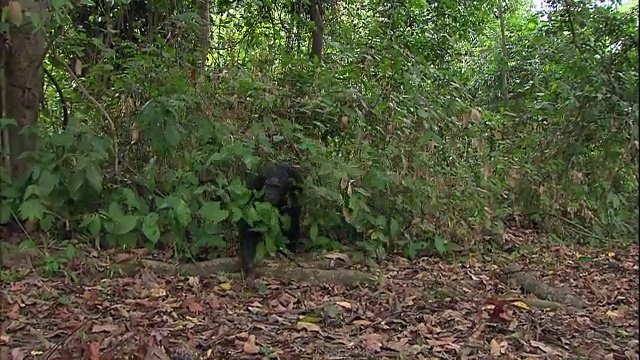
402 152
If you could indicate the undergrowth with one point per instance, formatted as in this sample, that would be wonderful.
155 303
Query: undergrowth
398 156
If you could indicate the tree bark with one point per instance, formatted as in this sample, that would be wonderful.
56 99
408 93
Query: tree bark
316 12
24 81
205 32
504 64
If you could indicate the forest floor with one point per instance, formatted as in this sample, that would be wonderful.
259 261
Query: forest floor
423 309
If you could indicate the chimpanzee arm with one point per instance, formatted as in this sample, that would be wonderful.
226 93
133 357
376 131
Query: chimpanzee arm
249 240
255 181
293 234
294 177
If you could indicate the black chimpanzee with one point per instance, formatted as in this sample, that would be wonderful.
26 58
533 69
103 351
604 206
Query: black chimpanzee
281 184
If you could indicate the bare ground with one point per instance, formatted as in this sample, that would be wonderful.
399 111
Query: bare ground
423 309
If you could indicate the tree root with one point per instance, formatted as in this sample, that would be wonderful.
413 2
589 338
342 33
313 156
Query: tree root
529 284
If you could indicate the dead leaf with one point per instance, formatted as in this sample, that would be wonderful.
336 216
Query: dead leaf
362 323
498 348
488 170
104 328
158 292
249 346
156 353
344 304
307 326
343 183
193 305
544 347
17 354
15 13
135 134
118 258
520 304
344 123
399 345
336 255
65 354
224 286
372 342
472 114
77 67
94 350
194 282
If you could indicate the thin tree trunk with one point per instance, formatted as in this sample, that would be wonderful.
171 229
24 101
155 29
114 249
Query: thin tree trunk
317 36
205 31
504 66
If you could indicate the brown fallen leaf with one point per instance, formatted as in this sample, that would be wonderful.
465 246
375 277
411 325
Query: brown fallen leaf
104 328
249 346
399 345
193 305
65 354
17 354
307 326
338 256
344 304
156 353
498 348
122 257
373 342
94 350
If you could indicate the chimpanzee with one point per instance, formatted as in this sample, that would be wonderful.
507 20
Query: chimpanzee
281 184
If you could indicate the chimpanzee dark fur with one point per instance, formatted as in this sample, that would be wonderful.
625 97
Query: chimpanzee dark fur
281 185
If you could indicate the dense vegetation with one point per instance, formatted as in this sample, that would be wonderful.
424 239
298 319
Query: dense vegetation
418 126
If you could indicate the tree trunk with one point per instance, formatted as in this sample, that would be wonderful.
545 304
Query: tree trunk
317 37
205 32
504 64
24 81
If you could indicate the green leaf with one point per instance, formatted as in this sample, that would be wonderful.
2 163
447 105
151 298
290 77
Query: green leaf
320 241
93 224
313 232
440 245
212 212
70 252
213 240
35 172
47 182
394 228
183 213
5 212
125 224
75 182
58 4
172 135
115 211
31 210
47 222
31 190
10 193
94 177
381 221
35 20
150 227
6 121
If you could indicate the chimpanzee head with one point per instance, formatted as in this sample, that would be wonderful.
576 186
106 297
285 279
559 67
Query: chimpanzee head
280 182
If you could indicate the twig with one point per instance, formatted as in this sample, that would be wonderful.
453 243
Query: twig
97 104
582 229
50 353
